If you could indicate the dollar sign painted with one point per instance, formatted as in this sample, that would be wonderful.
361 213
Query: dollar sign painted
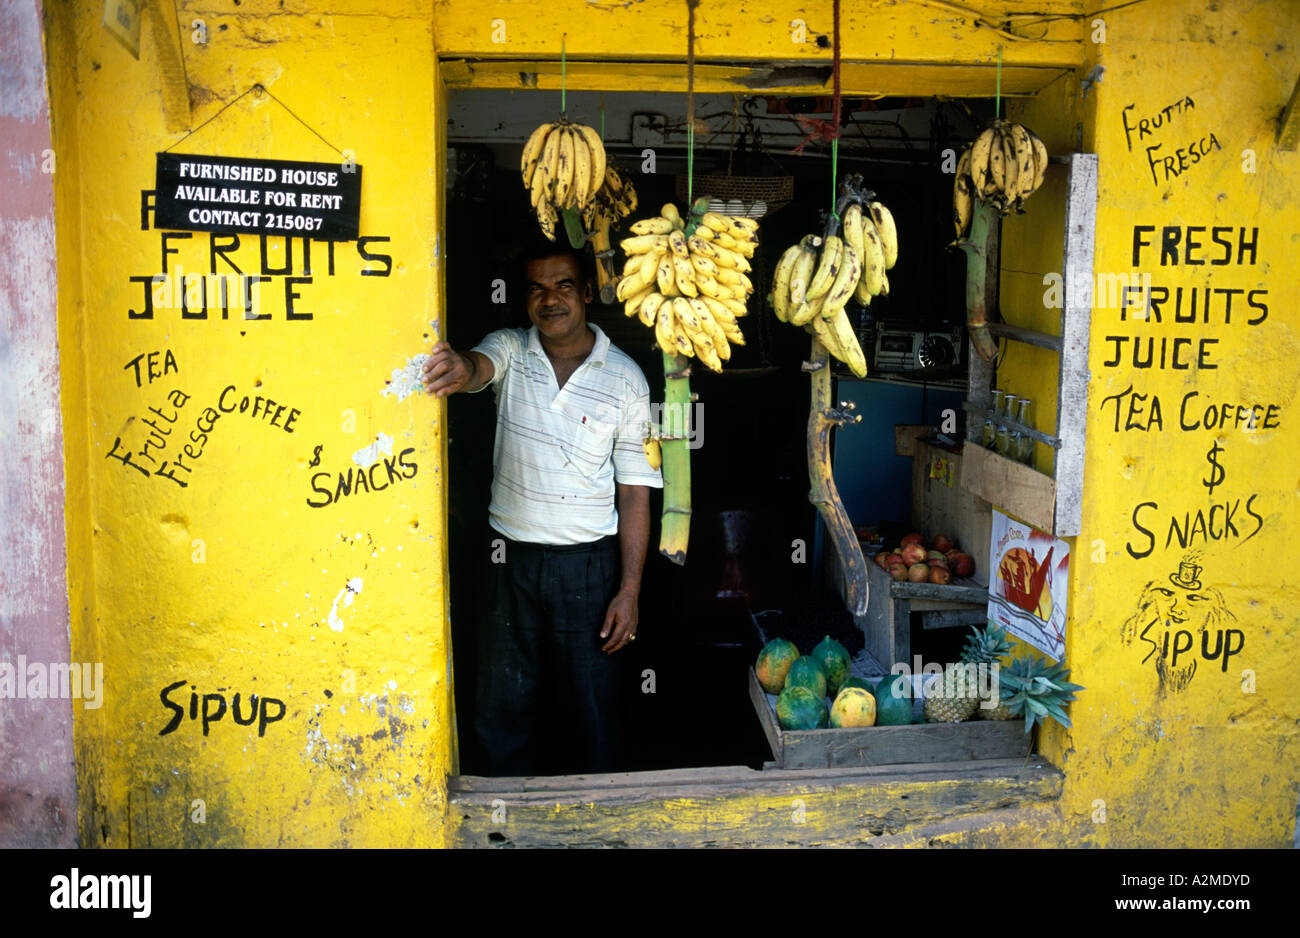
315 458
1217 474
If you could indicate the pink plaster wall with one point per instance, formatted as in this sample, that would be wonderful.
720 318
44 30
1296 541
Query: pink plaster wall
38 805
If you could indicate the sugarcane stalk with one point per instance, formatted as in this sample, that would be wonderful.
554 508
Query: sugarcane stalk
675 527
984 228
822 490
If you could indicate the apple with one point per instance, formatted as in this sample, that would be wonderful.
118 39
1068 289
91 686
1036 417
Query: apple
918 573
913 553
913 539
898 570
879 560
941 544
937 562
892 557
936 555
940 575
952 556
964 566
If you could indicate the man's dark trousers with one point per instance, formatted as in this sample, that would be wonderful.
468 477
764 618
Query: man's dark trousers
548 697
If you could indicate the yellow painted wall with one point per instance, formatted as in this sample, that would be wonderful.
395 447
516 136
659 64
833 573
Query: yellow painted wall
1216 762
227 581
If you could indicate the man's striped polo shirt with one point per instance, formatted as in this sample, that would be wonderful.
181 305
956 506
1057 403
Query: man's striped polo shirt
560 451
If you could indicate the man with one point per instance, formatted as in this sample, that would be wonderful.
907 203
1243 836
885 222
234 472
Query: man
571 413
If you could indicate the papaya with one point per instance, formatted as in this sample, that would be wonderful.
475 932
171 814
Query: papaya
799 708
834 659
855 681
853 707
774 663
894 700
806 672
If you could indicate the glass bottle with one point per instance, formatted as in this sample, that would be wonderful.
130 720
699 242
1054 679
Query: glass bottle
1025 449
1022 412
996 405
990 434
1003 445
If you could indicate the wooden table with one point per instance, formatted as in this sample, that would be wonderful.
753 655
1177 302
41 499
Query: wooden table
887 623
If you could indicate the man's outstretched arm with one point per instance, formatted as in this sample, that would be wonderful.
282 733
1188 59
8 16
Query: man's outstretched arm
448 371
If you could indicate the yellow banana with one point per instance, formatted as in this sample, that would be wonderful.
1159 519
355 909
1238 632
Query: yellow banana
1024 161
704 234
742 227
705 352
721 315
666 276
564 169
826 269
686 317
532 153
997 171
582 190
651 226
781 282
664 327
806 312
704 265
669 211
981 150
685 276
963 198
547 218
653 452
643 243
852 224
715 222
707 286
837 335
737 307
648 311
874 270
677 241
684 345
846 282
632 305
1040 160
1010 164
803 269
630 286
597 152
733 333
888 231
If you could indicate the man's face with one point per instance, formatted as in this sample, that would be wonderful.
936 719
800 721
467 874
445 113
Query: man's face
557 298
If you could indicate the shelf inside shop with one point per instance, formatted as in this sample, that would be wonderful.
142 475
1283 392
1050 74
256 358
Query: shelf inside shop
1017 489
986 413
1027 336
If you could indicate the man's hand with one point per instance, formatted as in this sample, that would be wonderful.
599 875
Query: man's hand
447 371
620 622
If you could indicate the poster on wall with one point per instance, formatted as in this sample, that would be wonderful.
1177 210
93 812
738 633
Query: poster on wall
1028 584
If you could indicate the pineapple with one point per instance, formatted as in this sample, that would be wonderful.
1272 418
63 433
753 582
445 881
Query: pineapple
951 697
1035 689
986 647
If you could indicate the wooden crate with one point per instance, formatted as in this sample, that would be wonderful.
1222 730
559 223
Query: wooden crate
887 745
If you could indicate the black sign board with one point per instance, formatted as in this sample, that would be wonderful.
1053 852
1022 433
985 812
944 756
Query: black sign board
225 195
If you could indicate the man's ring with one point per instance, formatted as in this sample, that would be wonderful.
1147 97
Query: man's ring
631 638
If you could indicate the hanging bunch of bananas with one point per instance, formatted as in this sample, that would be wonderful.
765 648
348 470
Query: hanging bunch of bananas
1004 166
563 167
812 290
687 280
614 201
